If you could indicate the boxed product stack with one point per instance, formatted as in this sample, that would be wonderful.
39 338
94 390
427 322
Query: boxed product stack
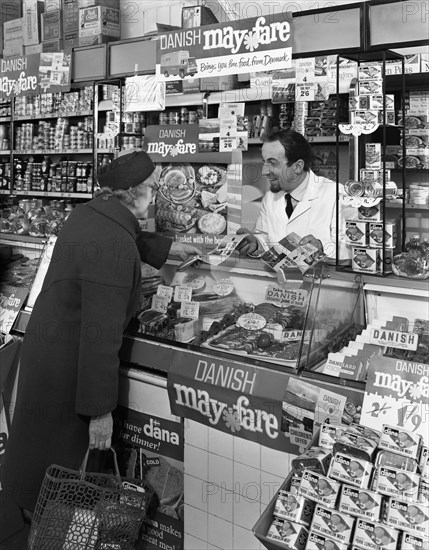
98 21
322 117
357 488
13 37
31 19
52 31
9 9
70 23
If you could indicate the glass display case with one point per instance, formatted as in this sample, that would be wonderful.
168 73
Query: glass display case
248 314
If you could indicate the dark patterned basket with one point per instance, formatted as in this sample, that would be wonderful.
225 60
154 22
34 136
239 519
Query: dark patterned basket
77 510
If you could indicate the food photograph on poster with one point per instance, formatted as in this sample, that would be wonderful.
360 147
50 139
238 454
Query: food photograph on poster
192 198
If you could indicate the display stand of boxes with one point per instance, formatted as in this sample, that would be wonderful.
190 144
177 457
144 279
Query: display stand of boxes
372 239
354 487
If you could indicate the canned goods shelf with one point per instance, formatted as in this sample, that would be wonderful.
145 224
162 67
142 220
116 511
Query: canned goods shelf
59 194
52 152
18 118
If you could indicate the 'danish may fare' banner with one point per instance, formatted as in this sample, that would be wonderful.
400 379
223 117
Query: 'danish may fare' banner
35 74
272 408
247 45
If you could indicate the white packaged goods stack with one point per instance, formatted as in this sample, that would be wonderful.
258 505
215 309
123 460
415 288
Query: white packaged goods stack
13 38
31 12
9 9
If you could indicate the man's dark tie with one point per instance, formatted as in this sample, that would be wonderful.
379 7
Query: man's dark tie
289 205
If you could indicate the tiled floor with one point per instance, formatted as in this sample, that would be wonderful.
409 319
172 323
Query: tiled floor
228 483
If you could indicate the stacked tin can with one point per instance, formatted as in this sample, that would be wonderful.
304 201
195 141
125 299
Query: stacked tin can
133 125
53 104
5 108
4 174
286 116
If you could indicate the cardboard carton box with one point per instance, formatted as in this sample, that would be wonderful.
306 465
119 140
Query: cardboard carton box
196 16
70 11
70 40
106 3
9 9
51 25
31 21
12 31
51 5
99 20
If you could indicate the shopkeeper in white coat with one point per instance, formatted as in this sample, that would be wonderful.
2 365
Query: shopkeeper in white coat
298 201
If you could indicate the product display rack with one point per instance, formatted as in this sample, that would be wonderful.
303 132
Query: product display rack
374 122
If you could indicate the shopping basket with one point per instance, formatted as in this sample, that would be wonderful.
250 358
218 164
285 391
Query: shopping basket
79 510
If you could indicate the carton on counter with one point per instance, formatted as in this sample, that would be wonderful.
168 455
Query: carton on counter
356 233
329 434
423 494
358 502
316 541
355 445
374 536
294 507
410 541
319 488
396 482
363 117
351 470
395 460
400 441
376 234
332 523
370 87
364 431
424 464
372 260
373 155
316 459
373 213
408 516
293 535
370 71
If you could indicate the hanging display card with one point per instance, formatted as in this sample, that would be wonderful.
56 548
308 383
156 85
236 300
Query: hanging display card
235 47
144 93
305 79
35 74
397 393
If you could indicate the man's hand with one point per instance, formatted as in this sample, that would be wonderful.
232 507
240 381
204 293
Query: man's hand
183 250
100 432
249 245
311 239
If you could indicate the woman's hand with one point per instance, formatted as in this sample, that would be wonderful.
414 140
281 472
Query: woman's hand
100 432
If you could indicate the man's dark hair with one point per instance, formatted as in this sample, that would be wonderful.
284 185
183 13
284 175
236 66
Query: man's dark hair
295 145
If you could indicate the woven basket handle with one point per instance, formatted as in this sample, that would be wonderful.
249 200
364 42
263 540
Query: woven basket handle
82 469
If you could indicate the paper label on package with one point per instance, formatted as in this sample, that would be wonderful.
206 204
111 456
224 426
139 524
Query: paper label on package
304 92
190 310
160 303
394 338
165 291
251 321
224 287
182 293
286 296
227 110
228 134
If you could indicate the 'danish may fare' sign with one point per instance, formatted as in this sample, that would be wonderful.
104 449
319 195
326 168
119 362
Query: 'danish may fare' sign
35 74
247 45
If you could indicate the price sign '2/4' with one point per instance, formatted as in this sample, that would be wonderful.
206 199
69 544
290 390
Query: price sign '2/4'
397 393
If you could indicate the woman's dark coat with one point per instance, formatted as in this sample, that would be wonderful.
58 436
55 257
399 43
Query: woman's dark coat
69 361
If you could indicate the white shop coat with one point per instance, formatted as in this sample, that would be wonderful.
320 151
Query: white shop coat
313 215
